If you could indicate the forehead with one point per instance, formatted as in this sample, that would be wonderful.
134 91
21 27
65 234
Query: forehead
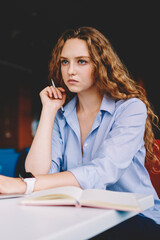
75 47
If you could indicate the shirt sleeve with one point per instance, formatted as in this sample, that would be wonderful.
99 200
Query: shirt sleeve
118 149
57 149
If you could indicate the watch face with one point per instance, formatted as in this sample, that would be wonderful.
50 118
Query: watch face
28 175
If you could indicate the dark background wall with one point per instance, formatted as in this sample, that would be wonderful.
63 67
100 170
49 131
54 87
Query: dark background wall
29 30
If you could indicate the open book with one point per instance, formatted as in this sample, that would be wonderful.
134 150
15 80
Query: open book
74 196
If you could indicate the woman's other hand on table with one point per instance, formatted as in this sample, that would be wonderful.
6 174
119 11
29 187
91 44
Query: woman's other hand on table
12 185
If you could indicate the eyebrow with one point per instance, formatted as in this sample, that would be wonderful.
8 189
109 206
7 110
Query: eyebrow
76 57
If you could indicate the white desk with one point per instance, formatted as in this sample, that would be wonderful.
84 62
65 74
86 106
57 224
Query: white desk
19 222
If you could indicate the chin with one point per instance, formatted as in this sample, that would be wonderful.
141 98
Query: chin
74 89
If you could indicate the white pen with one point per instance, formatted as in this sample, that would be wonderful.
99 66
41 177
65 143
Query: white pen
53 84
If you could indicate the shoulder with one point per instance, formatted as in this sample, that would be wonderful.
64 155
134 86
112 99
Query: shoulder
112 106
131 103
131 107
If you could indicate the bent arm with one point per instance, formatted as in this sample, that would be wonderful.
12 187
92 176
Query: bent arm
59 179
47 181
38 160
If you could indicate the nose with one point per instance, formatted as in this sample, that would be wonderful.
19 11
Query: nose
71 69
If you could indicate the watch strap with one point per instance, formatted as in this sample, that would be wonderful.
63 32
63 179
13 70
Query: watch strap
30 184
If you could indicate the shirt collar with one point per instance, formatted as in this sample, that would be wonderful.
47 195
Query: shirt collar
108 105
71 105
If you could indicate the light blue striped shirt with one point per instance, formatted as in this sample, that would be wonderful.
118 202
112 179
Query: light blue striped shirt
113 152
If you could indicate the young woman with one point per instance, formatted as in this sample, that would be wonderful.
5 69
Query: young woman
103 137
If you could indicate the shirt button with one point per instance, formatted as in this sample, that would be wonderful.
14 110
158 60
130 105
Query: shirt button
86 144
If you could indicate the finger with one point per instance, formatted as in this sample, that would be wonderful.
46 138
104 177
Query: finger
61 89
54 92
49 91
57 93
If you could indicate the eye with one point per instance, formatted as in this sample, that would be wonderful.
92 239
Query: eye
81 61
64 62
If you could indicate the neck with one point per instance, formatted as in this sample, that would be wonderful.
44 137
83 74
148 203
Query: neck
89 102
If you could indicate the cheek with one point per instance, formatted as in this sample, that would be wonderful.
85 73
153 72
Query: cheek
90 75
63 72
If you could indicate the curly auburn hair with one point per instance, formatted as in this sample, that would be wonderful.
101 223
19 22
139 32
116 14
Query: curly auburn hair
111 77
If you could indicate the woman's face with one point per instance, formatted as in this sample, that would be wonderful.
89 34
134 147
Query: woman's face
76 66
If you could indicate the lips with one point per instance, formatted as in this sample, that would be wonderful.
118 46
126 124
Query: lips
72 81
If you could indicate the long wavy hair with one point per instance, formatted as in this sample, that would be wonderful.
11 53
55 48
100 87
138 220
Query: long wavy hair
111 77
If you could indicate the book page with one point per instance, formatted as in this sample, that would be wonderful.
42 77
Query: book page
109 199
57 196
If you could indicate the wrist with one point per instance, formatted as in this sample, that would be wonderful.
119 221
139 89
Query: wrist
29 181
50 109
48 114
